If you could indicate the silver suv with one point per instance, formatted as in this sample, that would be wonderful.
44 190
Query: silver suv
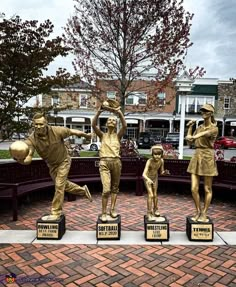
172 138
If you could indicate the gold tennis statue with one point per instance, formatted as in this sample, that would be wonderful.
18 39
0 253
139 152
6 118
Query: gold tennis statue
110 163
203 161
48 141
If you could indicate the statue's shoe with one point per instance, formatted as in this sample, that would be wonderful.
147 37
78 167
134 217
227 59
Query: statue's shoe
113 214
50 217
87 193
103 218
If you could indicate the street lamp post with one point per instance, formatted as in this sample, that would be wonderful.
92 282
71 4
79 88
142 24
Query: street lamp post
173 125
223 125
183 86
55 115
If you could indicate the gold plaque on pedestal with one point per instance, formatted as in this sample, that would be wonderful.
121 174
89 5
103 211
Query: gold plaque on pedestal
199 231
51 229
157 230
109 230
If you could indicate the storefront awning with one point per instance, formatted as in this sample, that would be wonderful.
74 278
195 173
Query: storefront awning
131 121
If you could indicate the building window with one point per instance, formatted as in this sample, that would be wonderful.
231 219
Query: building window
129 100
136 98
87 129
161 99
111 95
210 100
200 103
226 103
83 101
55 101
190 108
194 103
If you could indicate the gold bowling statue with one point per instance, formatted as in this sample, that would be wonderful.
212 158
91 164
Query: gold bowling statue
48 141
203 161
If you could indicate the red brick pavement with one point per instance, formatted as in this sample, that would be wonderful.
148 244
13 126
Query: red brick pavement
82 214
114 265
82 265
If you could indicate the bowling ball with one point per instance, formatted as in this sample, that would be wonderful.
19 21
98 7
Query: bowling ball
19 150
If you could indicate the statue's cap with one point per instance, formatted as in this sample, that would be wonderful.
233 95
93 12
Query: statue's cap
157 146
207 107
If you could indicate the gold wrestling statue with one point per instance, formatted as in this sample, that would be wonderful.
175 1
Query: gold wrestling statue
153 165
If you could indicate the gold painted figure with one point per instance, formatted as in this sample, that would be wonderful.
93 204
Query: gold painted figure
203 161
153 165
48 141
19 151
110 163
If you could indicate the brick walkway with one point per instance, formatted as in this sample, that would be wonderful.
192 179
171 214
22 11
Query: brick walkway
114 265
82 214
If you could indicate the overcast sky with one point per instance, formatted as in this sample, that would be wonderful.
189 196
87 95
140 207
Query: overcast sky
213 30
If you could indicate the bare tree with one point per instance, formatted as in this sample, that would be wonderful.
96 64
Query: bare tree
122 39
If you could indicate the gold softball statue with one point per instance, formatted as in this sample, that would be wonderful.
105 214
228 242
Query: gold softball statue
19 150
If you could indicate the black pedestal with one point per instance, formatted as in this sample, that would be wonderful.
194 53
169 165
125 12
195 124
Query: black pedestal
109 230
156 230
53 229
199 231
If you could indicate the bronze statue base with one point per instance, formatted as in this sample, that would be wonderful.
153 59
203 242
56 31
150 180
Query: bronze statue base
109 230
53 229
199 231
156 230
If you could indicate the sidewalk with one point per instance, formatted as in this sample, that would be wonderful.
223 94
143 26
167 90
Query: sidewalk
79 260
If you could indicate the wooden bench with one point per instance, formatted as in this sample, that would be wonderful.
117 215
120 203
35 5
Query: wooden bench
14 191
17 181
178 174
227 176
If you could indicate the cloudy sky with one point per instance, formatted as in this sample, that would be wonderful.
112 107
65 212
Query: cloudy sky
213 30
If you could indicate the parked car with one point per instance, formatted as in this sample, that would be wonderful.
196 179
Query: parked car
145 140
94 146
226 142
173 139
18 136
158 139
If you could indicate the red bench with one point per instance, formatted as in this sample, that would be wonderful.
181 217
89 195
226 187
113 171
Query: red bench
17 181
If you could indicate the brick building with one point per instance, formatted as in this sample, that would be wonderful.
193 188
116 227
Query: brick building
147 108
226 108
